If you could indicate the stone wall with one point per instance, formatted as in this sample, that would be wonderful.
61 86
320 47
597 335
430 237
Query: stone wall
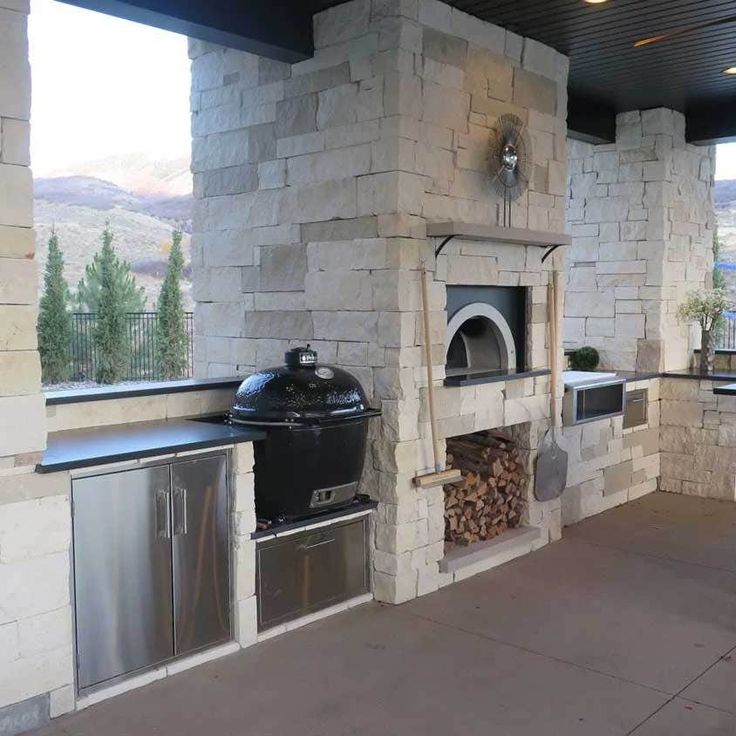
698 439
35 615
314 184
609 465
642 221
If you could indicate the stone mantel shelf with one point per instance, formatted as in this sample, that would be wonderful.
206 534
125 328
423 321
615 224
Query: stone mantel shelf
496 233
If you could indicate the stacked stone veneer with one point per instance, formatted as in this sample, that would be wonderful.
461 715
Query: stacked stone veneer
698 440
314 185
609 465
36 669
641 217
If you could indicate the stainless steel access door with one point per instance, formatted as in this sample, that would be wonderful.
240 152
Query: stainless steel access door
122 567
201 562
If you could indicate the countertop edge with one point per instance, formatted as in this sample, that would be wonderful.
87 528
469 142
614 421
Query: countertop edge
154 388
68 460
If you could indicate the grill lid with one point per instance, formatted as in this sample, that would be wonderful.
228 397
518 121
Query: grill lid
301 391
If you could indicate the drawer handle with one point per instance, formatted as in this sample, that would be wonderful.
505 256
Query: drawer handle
317 544
640 400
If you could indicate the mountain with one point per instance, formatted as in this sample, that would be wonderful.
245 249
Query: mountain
724 197
142 216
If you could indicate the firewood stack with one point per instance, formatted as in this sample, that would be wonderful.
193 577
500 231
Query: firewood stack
491 496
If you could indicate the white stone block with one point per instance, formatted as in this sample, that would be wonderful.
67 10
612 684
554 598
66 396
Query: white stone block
15 142
34 528
61 701
28 676
49 592
16 191
46 632
246 622
22 422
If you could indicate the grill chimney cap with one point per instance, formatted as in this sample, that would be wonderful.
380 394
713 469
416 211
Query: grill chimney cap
301 357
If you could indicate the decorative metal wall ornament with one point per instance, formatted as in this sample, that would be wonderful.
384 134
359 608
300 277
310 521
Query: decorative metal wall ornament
510 161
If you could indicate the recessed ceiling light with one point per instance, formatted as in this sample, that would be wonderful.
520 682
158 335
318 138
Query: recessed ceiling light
731 70
595 2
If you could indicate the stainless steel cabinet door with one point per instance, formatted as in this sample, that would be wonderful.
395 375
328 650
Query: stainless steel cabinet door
200 553
122 568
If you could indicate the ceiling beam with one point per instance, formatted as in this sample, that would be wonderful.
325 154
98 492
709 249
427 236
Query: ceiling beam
711 122
590 121
278 29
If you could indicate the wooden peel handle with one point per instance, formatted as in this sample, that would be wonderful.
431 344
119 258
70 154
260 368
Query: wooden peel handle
430 375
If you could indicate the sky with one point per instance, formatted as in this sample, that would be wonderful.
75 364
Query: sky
104 86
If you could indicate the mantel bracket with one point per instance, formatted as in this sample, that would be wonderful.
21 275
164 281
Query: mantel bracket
443 244
551 250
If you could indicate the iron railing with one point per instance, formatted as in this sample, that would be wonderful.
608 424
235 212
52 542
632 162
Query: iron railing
141 328
727 335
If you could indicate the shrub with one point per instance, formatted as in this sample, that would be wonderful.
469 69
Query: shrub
585 359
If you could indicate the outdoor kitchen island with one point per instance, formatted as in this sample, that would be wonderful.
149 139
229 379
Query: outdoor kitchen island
168 565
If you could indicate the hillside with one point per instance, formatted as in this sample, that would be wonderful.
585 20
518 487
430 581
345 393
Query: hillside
725 201
78 206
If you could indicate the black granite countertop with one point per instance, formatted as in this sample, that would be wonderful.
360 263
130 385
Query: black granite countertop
475 379
696 373
632 376
83 448
131 390
728 390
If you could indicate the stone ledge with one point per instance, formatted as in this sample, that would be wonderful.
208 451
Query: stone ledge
463 562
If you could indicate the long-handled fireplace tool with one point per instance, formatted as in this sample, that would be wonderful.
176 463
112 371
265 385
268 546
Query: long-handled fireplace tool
440 477
550 476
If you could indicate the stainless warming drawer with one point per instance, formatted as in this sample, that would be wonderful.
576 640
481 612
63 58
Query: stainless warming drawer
592 400
307 571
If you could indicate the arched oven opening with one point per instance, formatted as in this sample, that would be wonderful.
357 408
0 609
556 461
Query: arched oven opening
479 340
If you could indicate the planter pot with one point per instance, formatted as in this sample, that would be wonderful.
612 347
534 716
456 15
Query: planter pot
707 351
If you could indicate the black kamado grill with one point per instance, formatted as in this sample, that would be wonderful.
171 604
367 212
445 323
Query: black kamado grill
316 417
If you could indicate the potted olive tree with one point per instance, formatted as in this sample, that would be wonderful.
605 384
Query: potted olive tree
706 307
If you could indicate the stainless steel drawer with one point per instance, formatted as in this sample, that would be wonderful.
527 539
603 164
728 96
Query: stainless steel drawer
637 403
311 570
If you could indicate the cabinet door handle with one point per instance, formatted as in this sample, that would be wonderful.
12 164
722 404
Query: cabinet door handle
180 511
163 515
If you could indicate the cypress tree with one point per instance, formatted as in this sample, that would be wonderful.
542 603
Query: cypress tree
54 318
90 285
171 334
111 337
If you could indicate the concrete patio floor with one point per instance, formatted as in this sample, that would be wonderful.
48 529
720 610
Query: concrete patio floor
627 626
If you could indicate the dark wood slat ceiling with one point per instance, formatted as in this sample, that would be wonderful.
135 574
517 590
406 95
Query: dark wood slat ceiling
604 66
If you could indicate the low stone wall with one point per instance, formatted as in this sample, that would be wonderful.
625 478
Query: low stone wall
609 465
86 414
698 439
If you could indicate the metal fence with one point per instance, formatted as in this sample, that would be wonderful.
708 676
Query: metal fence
727 336
141 328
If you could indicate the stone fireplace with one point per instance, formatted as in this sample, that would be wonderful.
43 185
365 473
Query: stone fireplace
324 187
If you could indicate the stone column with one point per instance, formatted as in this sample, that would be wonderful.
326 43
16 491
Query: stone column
642 219
36 672
314 185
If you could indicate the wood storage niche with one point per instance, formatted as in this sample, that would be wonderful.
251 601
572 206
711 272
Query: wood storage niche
491 497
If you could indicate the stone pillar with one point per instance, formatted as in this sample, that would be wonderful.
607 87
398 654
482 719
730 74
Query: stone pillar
36 672
314 186
642 219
